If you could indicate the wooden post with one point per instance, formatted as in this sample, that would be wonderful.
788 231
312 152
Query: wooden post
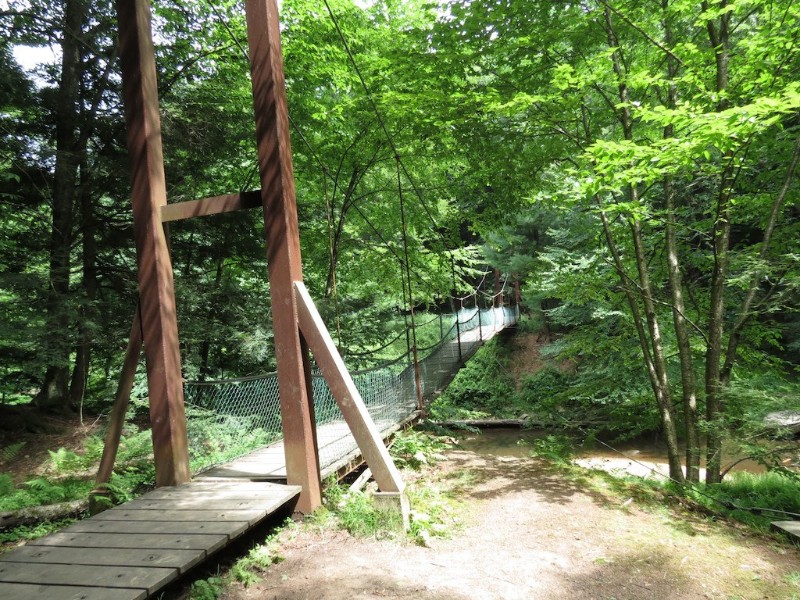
283 248
346 394
156 287
117 418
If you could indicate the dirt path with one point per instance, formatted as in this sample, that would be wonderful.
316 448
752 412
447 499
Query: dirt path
532 533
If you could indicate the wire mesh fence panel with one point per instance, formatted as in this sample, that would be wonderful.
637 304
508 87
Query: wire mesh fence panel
230 418
227 419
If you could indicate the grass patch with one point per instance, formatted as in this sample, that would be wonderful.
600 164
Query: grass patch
755 499
31 532
434 507
247 571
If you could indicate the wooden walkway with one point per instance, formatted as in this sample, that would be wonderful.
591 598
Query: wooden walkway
132 551
789 528
337 450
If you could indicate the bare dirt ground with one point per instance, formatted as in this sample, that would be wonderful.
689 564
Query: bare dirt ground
532 533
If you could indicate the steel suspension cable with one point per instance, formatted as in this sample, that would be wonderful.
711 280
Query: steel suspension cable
382 123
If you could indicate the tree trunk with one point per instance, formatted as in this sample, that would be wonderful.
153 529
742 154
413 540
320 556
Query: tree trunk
86 315
747 303
337 228
661 381
205 345
54 393
721 232
688 382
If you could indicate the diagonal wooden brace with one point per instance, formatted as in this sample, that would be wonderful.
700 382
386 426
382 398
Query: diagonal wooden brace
345 392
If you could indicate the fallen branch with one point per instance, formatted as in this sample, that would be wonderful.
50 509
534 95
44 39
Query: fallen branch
48 512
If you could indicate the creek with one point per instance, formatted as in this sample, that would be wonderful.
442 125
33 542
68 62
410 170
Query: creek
645 456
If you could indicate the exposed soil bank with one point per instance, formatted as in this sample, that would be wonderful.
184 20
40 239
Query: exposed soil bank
530 533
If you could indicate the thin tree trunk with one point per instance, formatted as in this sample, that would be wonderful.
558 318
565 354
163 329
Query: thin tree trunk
747 303
661 383
338 229
721 232
205 345
54 393
86 315
688 382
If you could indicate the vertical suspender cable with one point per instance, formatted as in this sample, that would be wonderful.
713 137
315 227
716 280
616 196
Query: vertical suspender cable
329 215
408 283
458 312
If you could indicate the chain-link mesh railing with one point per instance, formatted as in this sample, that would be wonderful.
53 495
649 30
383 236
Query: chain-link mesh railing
230 418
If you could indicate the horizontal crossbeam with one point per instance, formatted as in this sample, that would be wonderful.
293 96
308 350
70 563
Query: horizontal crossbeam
210 206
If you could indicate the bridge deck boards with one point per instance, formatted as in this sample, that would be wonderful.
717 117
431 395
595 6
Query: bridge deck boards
132 551
790 528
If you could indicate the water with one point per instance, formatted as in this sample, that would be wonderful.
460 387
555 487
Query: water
643 456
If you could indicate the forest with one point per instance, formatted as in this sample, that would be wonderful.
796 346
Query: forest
633 164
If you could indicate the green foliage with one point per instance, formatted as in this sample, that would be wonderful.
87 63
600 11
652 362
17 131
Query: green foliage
767 494
6 485
435 511
246 570
434 504
414 449
10 451
214 439
357 513
40 491
482 387
555 448
207 589
32 532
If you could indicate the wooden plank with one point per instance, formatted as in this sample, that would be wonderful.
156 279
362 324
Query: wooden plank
148 579
248 472
254 486
131 541
203 503
269 493
346 394
182 560
132 551
790 528
31 591
234 494
210 206
210 534
124 514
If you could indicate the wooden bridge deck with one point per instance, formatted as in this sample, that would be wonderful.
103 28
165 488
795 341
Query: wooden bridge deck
337 448
132 551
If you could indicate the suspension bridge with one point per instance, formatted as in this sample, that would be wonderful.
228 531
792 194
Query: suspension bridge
311 418
134 550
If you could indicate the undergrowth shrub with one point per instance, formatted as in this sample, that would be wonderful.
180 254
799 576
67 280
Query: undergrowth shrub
555 448
41 491
482 388
773 491
412 449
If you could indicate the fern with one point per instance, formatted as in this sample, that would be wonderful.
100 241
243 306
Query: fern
6 485
10 452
